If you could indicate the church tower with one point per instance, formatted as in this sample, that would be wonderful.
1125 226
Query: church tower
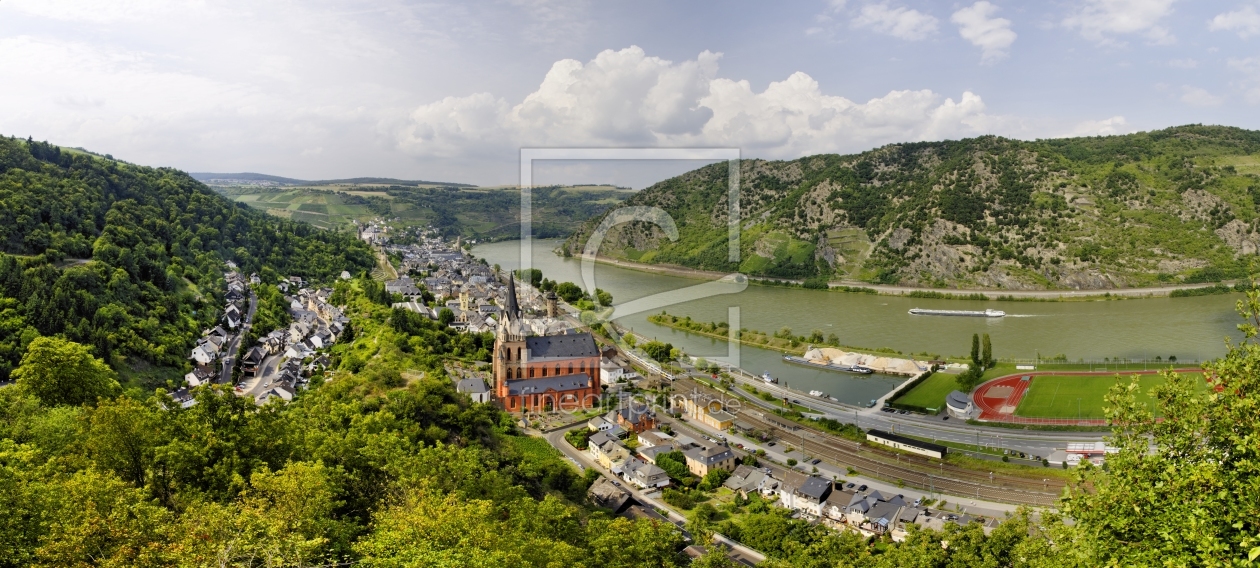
510 353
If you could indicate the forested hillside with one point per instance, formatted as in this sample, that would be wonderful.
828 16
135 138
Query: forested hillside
471 212
1170 206
129 259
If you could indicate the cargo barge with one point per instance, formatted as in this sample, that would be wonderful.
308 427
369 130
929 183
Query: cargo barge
965 313
829 366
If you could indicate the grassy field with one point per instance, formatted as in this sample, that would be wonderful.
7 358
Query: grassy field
930 393
1068 396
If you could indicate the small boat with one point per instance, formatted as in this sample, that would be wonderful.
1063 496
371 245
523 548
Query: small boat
861 369
818 393
969 313
768 379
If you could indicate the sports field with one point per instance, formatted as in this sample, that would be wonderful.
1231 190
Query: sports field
930 393
1073 396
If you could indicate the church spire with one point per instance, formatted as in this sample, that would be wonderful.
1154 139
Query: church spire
513 310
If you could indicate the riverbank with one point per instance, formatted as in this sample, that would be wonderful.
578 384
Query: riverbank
853 286
789 346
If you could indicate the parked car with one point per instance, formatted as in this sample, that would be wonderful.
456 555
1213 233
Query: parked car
861 489
946 417
849 485
771 444
816 461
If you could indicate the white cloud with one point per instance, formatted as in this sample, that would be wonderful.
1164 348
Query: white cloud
903 23
992 35
1107 127
629 98
104 12
1245 22
1102 20
1184 63
1197 96
1248 70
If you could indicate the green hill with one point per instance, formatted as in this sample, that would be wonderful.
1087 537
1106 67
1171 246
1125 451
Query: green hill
130 259
1171 206
485 213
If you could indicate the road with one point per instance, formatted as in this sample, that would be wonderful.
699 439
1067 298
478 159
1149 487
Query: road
269 367
584 460
779 453
225 376
674 270
1035 442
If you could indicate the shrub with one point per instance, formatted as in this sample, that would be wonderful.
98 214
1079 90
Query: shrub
791 462
681 499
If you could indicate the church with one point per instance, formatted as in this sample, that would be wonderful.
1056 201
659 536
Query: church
541 373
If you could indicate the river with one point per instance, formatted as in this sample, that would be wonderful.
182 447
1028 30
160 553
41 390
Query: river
1190 328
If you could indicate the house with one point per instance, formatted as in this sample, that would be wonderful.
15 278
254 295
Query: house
704 408
651 438
746 479
598 424
252 359
804 492
633 419
837 504
874 512
599 439
643 474
703 460
205 352
609 372
606 494
184 398
475 388
611 455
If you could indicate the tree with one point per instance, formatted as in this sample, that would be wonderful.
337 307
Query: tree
987 356
569 292
659 351
58 372
975 351
604 298
446 316
1183 503
121 437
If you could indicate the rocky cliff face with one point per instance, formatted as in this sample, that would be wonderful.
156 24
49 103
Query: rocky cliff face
1090 213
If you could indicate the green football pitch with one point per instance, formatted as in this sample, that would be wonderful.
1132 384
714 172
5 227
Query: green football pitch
1075 396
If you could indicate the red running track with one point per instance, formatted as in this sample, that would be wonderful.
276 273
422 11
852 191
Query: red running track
991 405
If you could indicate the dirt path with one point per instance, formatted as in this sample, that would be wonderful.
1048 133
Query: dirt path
684 272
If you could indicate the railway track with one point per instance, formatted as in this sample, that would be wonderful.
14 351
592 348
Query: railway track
914 471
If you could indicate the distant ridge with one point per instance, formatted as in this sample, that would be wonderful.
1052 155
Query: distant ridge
250 176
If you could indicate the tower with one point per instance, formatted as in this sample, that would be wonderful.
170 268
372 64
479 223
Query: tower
551 304
510 353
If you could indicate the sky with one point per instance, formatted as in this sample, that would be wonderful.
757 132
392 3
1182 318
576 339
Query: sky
319 89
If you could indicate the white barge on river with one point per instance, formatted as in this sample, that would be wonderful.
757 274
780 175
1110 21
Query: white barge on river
846 361
965 313
829 365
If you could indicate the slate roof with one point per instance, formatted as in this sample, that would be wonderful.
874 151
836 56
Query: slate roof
471 385
569 346
958 399
815 488
539 386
